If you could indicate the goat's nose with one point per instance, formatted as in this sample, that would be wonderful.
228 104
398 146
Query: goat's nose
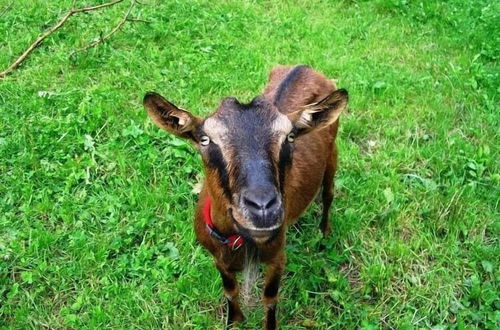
263 204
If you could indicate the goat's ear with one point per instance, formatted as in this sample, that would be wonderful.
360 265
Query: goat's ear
169 117
320 114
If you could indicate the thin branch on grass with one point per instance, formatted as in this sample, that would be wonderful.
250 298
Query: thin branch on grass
132 19
102 38
53 29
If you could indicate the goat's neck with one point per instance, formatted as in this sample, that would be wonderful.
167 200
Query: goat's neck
221 217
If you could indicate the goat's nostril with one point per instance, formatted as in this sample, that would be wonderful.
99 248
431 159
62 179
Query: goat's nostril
271 203
250 203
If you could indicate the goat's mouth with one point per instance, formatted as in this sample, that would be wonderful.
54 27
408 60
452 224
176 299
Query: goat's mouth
247 229
258 236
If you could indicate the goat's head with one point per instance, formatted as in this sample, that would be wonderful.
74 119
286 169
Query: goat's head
247 151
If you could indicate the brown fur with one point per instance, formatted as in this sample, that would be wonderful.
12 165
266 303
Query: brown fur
304 94
314 160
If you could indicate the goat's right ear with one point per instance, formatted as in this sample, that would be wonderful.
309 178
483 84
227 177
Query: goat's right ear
320 114
169 117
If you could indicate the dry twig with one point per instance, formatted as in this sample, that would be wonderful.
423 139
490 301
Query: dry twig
41 38
132 19
106 36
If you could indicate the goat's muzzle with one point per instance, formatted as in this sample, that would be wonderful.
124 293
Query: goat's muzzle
263 208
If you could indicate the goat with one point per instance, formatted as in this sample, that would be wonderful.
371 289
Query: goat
264 163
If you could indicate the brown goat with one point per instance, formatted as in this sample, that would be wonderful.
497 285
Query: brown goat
265 161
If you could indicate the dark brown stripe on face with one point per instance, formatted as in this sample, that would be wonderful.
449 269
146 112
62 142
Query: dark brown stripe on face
286 85
284 161
216 161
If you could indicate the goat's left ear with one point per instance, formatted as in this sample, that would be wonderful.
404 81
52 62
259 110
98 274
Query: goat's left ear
320 114
169 117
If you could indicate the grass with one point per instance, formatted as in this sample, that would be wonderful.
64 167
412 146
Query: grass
96 203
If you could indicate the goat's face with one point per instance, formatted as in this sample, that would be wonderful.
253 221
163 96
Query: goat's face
247 151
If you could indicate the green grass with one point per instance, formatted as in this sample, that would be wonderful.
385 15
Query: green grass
96 203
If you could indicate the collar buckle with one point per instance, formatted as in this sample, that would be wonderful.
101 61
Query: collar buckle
237 243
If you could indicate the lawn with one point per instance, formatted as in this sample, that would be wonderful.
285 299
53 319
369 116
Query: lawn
96 203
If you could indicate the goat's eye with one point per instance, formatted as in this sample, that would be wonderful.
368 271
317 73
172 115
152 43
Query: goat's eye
204 140
290 137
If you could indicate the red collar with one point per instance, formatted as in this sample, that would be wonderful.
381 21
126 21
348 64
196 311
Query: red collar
233 241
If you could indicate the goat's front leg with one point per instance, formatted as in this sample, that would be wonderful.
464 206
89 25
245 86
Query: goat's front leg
231 291
274 271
